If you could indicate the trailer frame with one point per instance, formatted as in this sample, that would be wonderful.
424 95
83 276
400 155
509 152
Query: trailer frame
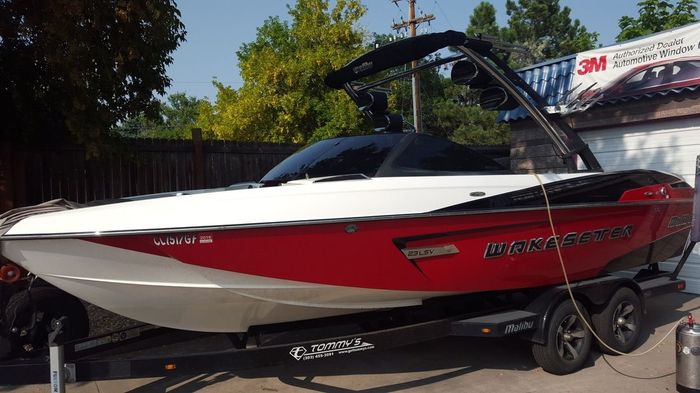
149 351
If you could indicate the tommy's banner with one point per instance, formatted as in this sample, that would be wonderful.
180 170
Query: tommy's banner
666 60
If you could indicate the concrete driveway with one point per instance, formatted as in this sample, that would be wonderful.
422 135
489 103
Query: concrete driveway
447 365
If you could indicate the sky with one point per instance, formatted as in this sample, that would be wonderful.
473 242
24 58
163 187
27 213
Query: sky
217 28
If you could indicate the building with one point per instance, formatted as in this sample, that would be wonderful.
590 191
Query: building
647 116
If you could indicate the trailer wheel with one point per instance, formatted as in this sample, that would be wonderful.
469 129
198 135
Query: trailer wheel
31 317
568 341
618 324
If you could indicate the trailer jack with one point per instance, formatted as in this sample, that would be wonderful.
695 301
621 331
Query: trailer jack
60 371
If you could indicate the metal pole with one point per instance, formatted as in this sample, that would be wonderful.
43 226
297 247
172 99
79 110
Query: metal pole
411 24
416 78
684 258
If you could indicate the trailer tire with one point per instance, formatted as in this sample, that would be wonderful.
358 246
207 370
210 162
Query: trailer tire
568 341
44 305
619 323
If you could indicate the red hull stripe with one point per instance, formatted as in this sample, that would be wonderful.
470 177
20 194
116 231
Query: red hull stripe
368 254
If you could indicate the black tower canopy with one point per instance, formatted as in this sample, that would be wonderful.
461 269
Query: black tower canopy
502 87
392 55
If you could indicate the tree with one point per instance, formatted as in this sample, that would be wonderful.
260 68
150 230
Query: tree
431 88
283 97
655 16
469 124
544 28
175 119
456 115
74 69
483 20
179 116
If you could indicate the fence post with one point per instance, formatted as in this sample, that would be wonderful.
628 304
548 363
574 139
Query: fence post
198 158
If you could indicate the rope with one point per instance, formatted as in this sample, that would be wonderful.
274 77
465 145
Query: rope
571 294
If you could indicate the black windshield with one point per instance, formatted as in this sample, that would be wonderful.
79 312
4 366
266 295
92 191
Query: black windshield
338 156
382 155
427 153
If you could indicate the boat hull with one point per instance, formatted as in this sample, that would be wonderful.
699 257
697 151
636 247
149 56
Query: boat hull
166 292
228 277
228 280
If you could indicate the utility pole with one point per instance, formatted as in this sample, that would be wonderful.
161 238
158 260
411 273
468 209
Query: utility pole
411 24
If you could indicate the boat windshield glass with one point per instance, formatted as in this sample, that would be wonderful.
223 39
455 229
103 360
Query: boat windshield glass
434 154
338 156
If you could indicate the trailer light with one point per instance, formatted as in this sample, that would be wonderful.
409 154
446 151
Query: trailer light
10 273
170 367
486 330
681 285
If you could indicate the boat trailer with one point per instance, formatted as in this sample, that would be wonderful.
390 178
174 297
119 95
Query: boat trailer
149 351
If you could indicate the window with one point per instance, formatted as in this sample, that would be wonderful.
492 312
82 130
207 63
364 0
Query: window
686 70
636 77
645 79
429 153
338 156
293 166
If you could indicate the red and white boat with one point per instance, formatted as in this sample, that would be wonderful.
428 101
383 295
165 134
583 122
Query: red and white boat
360 223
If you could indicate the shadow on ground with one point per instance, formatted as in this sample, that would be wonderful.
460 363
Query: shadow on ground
414 366
442 359
457 355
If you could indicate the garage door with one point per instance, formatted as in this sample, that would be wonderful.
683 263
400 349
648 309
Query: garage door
670 146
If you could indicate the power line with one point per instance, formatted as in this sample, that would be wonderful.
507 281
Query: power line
410 25
444 14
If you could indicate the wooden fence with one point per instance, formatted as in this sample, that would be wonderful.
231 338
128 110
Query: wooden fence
140 166
137 167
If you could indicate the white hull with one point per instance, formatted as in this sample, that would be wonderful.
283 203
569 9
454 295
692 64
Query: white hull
297 201
166 292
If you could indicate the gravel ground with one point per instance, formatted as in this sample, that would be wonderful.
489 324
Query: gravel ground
103 321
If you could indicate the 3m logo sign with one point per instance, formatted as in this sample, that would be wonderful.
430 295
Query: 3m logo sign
593 64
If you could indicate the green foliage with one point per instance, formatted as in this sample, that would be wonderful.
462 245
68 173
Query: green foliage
76 68
444 114
431 88
544 28
655 16
212 116
454 117
283 97
379 40
480 127
175 119
483 20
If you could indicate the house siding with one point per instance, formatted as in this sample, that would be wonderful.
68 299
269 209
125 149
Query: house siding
671 146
